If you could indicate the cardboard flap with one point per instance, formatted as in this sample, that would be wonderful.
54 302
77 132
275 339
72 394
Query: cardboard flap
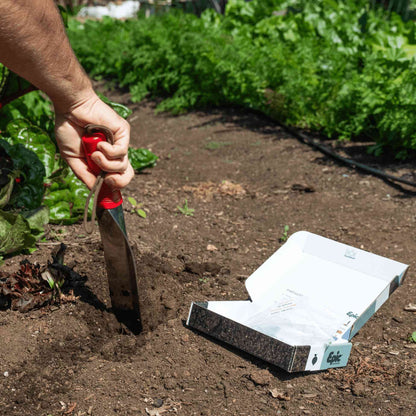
324 250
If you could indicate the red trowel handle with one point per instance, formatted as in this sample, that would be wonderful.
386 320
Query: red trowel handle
107 199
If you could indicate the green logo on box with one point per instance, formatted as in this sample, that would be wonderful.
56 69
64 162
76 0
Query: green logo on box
336 356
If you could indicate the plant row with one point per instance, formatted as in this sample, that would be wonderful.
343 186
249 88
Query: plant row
343 68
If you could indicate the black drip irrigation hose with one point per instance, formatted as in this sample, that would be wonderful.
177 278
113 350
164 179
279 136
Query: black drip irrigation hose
350 162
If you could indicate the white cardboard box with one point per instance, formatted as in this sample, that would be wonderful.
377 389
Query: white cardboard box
306 303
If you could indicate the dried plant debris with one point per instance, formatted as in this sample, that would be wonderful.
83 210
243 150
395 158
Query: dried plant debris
34 286
208 190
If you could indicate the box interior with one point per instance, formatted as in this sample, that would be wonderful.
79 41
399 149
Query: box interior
311 291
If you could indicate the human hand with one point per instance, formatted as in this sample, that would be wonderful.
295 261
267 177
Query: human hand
69 128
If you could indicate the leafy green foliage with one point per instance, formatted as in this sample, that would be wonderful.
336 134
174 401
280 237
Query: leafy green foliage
20 232
285 234
343 68
137 207
36 185
21 131
26 174
120 109
65 197
33 107
15 233
141 159
185 210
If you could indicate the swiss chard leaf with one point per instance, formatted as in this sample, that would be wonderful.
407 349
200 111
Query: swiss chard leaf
33 107
66 198
6 191
141 159
35 139
15 233
37 218
30 172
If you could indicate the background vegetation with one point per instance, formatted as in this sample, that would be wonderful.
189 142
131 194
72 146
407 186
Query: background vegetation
345 68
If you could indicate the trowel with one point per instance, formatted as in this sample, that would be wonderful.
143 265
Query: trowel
118 255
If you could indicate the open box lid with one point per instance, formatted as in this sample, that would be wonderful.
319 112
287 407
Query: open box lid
340 279
313 292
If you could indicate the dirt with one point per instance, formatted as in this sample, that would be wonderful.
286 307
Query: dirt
246 179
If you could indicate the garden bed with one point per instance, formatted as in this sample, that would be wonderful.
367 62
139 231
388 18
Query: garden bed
246 179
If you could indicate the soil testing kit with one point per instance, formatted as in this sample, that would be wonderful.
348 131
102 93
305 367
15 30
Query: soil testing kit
306 303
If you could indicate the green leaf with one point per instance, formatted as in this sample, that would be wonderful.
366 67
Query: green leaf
141 159
27 194
33 107
141 213
413 337
35 139
60 211
6 191
132 201
37 219
66 197
120 109
15 233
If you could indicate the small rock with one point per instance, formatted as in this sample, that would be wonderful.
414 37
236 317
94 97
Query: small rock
158 403
358 389
211 247
6 374
411 307
261 377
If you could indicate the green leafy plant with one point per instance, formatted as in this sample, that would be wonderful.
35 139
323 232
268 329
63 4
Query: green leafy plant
285 235
412 337
20 231
185 210
137 207
141 159
345 69
33 176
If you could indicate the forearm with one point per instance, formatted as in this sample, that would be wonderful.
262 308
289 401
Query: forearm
33 44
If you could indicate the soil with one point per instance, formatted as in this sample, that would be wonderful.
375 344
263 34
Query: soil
246 179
